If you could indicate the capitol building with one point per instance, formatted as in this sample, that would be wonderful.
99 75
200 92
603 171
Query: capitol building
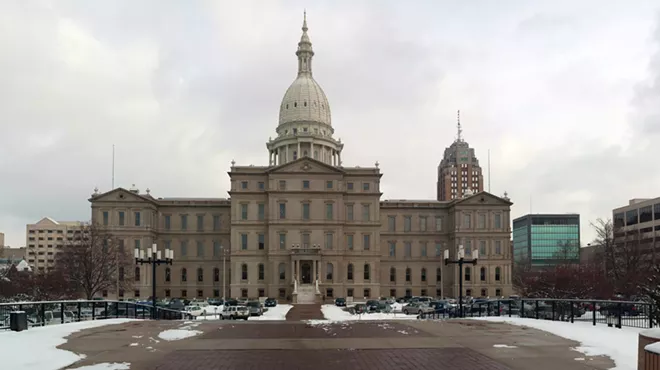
304 228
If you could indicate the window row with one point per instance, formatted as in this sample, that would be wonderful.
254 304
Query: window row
483 274
423 248
186 248
305 185
482 221
306 213
184 221
123 218
364 241
183 274
422 223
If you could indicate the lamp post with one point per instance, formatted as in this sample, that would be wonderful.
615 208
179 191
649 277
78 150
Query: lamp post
225 252
460 261
153 258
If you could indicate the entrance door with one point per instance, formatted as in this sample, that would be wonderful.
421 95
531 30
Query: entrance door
306 273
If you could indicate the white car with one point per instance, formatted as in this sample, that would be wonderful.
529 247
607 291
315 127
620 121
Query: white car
196 310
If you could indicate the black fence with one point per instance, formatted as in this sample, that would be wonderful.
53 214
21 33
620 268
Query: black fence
612 313
62 312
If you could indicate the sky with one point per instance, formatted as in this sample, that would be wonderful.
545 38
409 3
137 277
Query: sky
564 94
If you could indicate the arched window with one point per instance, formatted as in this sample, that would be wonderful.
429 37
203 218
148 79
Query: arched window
408 277
216 274
137 273
200 274
295 155
468 274
184 274
423 274
168 275
482 274
497 274
121 274
261 271
282 271
393 274
367 272
349 272
244 272
438 274
329 270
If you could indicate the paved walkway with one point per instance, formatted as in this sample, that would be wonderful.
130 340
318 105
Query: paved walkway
280 345
301 312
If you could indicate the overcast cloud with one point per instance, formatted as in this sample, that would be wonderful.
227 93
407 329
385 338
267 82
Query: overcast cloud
565 94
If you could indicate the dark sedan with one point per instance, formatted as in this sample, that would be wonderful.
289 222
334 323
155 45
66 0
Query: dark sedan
270 302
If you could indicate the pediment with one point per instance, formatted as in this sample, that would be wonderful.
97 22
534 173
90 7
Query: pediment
484 198
47 221
306 165
121 195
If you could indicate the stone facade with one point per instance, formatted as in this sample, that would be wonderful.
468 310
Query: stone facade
305 224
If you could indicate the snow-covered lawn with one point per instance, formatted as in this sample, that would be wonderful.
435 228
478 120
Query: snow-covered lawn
333 313
185 331
273 314
35 349
106 366
619 344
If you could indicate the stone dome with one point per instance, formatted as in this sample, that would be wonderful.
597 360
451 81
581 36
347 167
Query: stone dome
305 101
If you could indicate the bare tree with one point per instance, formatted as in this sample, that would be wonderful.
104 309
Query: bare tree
626 262
95 261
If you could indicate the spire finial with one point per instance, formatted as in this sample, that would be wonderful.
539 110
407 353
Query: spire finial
460 130
305 52
304 27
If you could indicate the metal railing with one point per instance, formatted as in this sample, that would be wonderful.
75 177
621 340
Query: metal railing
62 312
612 313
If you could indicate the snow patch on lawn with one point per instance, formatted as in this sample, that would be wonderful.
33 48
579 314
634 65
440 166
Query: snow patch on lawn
333 314
182 332
106 366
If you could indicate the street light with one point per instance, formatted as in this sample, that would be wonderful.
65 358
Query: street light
153 258
460 261
225 252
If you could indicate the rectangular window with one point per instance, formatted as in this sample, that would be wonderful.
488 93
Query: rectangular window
216 222
305 240
498 247
282 293
467 220
407 223
244 184
244 242
262 241
328 240
328 211
200 222
282 211
422 248
261 212
122 218
328 184
392 246
422 224
184 248
184 222
106 218
365 186
282 241
282 185
407 249
305 211
468 247
482 249
137 244
366 212
391 223
482 221
438 249
137 218
200 249
305 184
366 242
244 211
349 186
329 293
349 242
261 185
349 212
349 292
438 224
498 221
216 249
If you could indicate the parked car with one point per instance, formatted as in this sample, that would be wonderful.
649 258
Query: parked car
255 308
270 302
215 301
235 313
176 304
340 302
612 309
417 308
196 310
231 302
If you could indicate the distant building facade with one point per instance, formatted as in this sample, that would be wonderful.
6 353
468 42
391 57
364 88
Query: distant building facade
542 240
45 239
305 226
639 222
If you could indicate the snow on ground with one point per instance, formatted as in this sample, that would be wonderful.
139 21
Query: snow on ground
183 332
106 366
18 349
274 313
619 344
333 313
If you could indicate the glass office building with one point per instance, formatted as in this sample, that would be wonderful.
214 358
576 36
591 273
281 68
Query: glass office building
546 240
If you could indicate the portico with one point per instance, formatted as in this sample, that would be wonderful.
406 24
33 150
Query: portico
306 262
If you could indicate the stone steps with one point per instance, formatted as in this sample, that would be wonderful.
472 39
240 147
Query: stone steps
305 312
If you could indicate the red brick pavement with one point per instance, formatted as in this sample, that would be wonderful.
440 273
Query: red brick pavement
305 312
362 359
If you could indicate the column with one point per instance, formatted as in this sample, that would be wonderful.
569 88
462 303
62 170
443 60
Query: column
299 154
311 150
286 154
313 271
319 270
339 157
293 270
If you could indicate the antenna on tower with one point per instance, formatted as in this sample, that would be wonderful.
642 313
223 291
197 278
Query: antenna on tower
460 130
113 167
489 170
